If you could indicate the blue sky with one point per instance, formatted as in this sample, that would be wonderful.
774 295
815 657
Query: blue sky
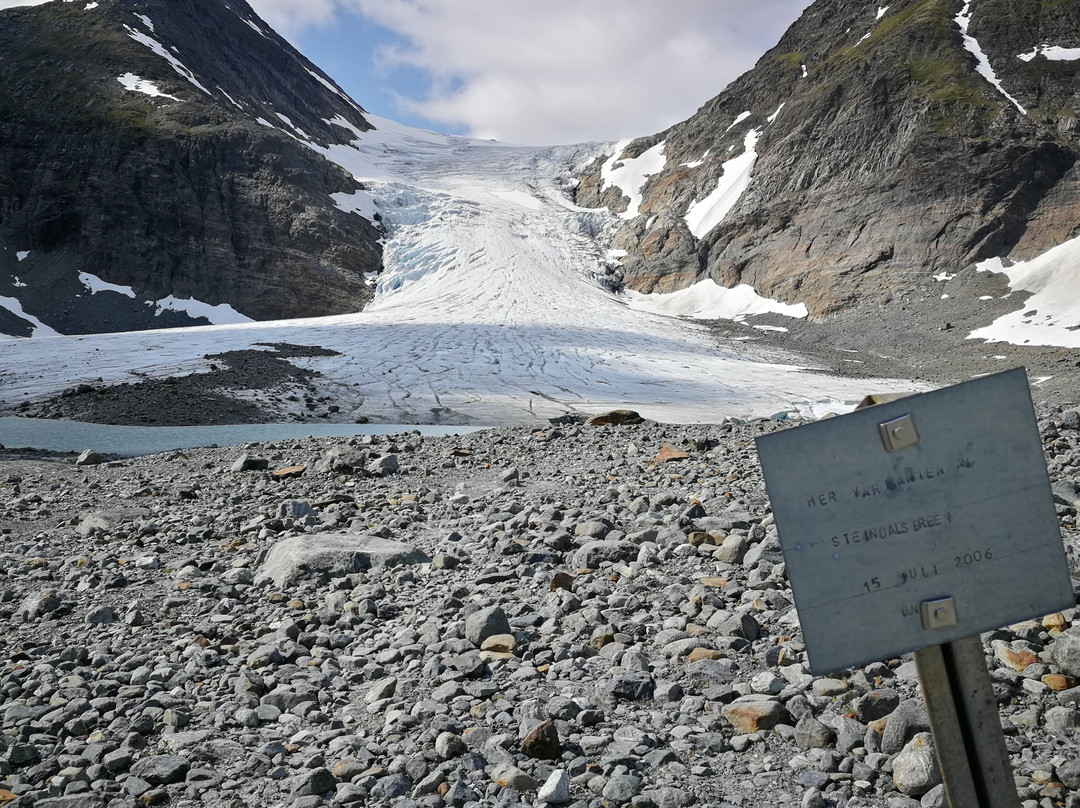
559 72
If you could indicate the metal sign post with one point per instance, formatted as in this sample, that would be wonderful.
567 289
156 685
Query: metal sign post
967 731
917 524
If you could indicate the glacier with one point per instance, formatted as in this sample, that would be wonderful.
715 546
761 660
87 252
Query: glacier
492 309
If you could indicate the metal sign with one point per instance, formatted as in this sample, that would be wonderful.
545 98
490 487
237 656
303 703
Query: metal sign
917 522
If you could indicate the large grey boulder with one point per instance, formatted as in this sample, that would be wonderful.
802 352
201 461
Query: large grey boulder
332 554
594 553
108 519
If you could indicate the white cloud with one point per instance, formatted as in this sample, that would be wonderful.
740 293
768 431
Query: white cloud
289 17
561 71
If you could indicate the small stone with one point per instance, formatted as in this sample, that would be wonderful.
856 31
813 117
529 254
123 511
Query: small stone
556 789
876 704
1066 652
813 798
384 466
615 418
828 688
102 615
669 454
704 653
542 742
391 787
1017 660
620 789
448 745
382 689
903 724
935 798
1069 773
90 458
314 783
161 770
1055 622
509 776
445 561
635 686
915 768
812 734
733 549
1062 720
749 714
1058 681
485 623
500 643
246 462
289 472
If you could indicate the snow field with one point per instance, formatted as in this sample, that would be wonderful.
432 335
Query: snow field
705 214
1051 316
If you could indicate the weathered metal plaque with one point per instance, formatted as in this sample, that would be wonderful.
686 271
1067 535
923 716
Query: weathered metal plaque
917 522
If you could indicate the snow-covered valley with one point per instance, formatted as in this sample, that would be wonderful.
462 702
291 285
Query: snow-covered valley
491 310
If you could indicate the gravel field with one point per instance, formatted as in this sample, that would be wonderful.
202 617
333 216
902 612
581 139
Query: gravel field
588 616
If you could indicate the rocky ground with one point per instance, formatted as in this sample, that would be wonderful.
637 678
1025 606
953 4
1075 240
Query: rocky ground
221 395
572 616
922 336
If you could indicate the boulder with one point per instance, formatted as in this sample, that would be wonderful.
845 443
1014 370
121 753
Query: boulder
334 555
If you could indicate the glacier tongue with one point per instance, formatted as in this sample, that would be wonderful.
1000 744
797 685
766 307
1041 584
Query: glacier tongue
491 310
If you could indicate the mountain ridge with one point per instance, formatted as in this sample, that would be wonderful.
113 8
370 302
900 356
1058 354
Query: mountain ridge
888 158
176 184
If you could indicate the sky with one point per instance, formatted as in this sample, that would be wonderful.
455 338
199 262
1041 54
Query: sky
563 71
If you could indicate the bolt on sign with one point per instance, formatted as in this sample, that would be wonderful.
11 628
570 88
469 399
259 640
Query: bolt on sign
917 522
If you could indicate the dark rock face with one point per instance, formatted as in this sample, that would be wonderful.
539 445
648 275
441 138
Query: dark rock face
891 159
190 196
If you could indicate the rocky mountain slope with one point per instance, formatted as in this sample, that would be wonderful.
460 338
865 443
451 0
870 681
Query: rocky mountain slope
873 147
158 152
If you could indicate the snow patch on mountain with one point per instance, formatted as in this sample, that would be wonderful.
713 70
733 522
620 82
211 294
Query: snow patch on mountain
1051 316
707 300
159 49
984 69
96 284
221 314
139 85
360 202
630 175
13 305
705 214
1052 52
742 116
22 255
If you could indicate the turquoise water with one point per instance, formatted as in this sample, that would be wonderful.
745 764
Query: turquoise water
74 436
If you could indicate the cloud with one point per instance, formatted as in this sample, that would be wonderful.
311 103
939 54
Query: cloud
561 71
290 17
569 71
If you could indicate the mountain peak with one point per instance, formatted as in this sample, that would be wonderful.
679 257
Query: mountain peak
889 142
169 149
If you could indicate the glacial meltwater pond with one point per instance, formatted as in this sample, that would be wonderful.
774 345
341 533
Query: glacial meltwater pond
129 441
